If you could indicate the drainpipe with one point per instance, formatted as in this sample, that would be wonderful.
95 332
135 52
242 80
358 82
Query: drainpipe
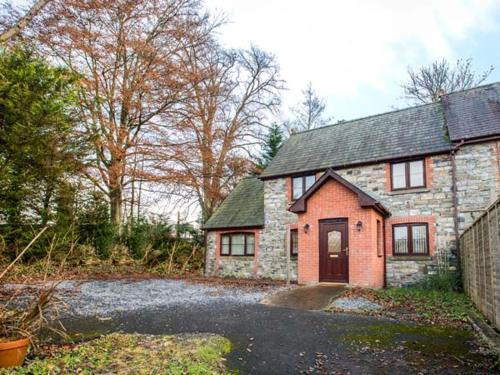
454 150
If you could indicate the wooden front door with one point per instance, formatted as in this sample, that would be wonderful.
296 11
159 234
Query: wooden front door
333 251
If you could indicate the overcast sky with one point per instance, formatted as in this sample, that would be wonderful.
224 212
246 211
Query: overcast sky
356 53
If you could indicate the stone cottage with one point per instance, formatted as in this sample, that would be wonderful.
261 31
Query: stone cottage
370 202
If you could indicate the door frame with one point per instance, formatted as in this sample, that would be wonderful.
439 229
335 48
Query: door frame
339 220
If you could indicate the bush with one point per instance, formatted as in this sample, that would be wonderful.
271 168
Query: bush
445 280
141 236
94 226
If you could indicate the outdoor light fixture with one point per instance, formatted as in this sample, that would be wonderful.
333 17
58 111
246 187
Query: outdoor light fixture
306 228
359 226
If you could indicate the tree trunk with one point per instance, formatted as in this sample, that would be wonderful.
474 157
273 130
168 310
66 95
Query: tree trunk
46 203
24 21
115 201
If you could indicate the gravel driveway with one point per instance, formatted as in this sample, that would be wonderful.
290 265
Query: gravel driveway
103 298
269 339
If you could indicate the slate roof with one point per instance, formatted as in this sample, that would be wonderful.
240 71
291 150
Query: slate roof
244 207
408 132
473 113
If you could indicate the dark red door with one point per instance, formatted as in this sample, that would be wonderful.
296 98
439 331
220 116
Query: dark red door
333 251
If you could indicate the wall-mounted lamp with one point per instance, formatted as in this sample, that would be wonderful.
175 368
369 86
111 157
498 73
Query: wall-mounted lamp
359 226
306 228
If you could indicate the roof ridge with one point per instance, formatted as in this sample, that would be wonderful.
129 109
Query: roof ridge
472 88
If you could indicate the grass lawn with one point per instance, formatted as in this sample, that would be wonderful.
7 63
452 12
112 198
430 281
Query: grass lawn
135 354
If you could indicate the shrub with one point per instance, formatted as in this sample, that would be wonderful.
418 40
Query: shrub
94 226
449 281
141 236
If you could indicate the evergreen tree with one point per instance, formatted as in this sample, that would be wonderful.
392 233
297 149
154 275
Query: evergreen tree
273 143
39 149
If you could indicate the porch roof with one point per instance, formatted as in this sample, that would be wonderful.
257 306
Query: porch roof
365 199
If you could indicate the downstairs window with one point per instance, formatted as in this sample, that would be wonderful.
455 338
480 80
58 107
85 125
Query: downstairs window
237 244
410 239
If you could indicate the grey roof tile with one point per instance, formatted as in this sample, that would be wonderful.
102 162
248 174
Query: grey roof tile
473 113
408 132
244 207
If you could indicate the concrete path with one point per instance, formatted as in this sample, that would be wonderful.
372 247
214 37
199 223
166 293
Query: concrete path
306 298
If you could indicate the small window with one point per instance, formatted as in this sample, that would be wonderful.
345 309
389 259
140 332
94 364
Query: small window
410 239
301 184
380 239
294 242
408 175
238 244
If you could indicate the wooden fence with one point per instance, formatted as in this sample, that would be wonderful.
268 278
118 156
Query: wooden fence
480 258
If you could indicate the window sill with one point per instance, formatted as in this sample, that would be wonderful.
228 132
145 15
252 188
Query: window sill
410 257
409 191
238 257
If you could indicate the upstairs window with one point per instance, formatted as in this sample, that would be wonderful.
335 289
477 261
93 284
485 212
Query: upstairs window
294 242
410 239
238 244
408 175
301 184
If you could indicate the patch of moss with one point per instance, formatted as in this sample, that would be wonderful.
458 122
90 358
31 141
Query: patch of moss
418 342
136 354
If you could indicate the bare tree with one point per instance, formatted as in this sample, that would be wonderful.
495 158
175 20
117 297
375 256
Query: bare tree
428 83
309 113
21 23
127 55
230 95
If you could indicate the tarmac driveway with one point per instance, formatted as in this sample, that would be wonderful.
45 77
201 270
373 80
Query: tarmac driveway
276 340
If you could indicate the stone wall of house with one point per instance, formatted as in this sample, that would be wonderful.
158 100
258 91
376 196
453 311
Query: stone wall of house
400 272
478 180
436 200
243 267
273 250
237 267
210 257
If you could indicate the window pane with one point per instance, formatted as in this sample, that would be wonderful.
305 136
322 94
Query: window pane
334 241
419 237
399 175
225 245
380 239
310 180
417 173
250 244
297 187
294 240
400 240
238 244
